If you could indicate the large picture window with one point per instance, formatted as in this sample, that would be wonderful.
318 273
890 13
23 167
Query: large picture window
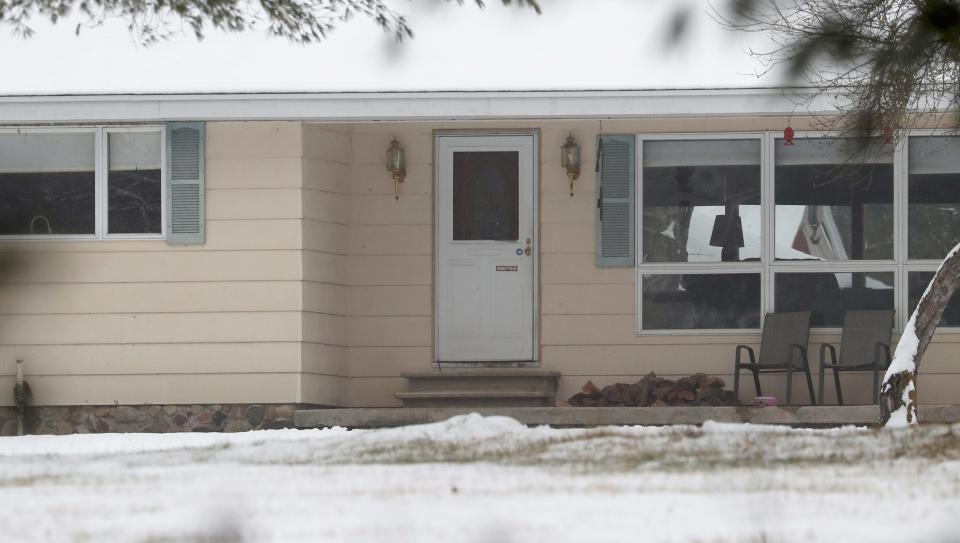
735 225
702 233
92 182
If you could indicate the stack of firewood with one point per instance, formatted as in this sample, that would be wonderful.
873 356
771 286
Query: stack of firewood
653 391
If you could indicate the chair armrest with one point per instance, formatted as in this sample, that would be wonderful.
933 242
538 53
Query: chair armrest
882 352
833 354
803 353
740 349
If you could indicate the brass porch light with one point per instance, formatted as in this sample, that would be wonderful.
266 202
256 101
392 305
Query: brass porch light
570 160
396 165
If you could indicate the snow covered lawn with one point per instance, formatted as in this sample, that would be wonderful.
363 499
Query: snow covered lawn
491 480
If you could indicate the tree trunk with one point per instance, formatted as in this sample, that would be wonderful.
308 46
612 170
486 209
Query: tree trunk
898 393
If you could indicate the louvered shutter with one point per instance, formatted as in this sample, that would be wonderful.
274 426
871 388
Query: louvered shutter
185 198
616 181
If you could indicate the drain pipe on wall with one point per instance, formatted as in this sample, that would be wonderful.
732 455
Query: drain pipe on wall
21 397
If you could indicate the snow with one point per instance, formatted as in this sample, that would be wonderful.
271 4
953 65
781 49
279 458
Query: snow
486 479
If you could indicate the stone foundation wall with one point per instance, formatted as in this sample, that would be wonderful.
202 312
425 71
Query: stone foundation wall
82 419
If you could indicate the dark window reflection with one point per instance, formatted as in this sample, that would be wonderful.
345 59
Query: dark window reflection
47 184
133 184
829 295
47 203
486 191
917 284
701 201
701 301
933 215
834 201
134 201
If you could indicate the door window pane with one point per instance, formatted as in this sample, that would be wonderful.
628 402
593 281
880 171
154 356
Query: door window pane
829 295
486 192
47 184
701 301
933 196
701 200
834 200
917 284
133 183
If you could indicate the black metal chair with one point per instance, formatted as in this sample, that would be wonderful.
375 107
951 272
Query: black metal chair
783 349
864 346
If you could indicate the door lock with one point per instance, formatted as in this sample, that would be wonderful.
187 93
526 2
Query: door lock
529 249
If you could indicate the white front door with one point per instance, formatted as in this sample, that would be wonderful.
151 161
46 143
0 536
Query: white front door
485 248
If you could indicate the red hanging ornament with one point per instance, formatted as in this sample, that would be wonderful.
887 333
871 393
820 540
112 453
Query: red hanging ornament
888 136
788 136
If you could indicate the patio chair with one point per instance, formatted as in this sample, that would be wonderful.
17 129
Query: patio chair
783 349
864 346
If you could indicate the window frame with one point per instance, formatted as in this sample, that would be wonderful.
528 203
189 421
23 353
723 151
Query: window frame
101 172
768 266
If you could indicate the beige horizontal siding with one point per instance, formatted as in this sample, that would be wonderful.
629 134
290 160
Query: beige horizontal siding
374 179
323 176
181 297
390 331
389 361
252 172
324 237
325 298
154 358
261 326
319 389
383 209
390 270
391 300
374 391
326 207
153 267
403 240
250 140
253 204
590 299
324 359
165 388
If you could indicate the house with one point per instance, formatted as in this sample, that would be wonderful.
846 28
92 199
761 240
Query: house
217 260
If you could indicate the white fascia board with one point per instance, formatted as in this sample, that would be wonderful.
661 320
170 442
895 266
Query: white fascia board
411 106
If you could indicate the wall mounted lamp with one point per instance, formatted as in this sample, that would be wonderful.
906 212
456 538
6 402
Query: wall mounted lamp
570 160
397 166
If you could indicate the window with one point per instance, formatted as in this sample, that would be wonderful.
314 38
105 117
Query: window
53 183
701 233
933 196
734 225
48 184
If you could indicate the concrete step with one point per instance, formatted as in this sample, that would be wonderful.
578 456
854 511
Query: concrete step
484 379
476 398
480 387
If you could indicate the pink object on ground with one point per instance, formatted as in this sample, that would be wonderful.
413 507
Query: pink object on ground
764 401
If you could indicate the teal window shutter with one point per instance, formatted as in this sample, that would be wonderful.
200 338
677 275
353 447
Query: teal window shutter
616 189
185 189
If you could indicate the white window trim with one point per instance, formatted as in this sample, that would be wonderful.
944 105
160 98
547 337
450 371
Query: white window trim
104 150
900 266
101 167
